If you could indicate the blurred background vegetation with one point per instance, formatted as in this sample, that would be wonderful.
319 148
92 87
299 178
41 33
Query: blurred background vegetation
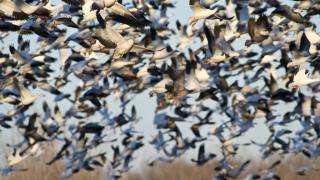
180 169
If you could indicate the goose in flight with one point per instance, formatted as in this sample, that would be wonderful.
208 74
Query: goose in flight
114 6
301 79
199 12
286 11
16 158
26 97
202 159
258 30
110 38
90 6
18 7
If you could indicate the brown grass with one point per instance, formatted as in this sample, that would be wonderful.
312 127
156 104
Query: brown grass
178 170
183 170
38 170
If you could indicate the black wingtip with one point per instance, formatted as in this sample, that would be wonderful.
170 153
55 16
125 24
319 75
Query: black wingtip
101 21
94 7
12 49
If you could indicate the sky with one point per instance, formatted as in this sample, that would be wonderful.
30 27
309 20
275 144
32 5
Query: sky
144 104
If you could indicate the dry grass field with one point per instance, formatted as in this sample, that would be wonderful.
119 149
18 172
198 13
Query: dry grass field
38 170
182 170
178 170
